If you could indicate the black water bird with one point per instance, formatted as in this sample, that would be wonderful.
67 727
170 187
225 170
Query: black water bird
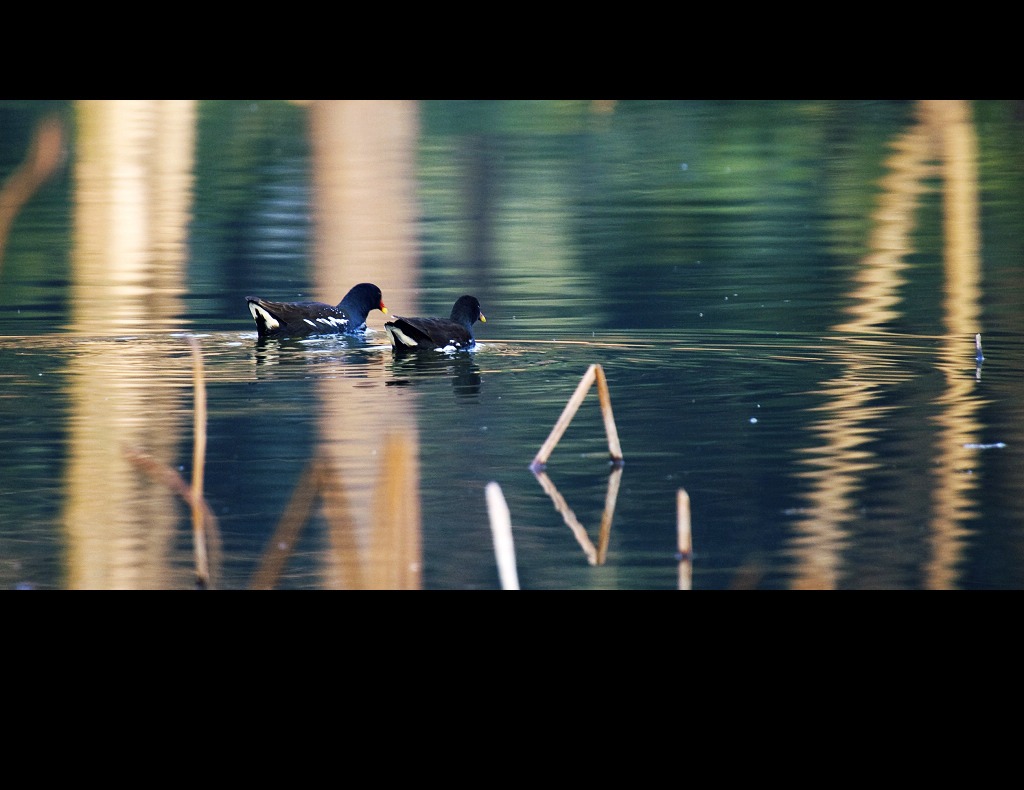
299 319
437 333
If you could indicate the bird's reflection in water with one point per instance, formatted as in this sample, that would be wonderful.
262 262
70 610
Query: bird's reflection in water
408 366
305 351
403 368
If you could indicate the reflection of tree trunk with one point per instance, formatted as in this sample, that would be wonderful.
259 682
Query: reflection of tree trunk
132 196
133 184
959 427
951 122
364 204
876 298
364 160
854 417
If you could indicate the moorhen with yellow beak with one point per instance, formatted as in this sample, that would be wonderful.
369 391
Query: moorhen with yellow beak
456 332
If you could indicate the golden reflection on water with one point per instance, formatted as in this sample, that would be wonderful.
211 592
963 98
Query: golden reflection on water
364 205
132 197
839 467
365 470
132 202
390 558
120 525
959 427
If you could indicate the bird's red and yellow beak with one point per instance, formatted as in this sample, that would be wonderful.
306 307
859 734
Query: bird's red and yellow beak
383 309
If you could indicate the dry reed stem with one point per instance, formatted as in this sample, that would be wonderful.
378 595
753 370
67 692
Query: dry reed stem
44 156
606 412
564 419
683 537
594 373
176 483
286 535
501 531
684 541
318 484
198 462
392 558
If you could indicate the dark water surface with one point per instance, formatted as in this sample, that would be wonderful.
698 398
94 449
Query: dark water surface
784 299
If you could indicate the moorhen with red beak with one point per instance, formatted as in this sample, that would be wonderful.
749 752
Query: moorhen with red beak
299 319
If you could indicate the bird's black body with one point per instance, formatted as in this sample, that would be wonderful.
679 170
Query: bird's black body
456 332
299 319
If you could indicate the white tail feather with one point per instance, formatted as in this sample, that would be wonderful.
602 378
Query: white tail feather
395 333
268 319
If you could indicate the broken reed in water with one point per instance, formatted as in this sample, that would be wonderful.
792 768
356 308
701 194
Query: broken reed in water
390 556
501 531
204 524
684 542
504 549
594 373
296 513
174 481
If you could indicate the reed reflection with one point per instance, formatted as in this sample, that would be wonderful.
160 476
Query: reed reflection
596 555
856 415
45 154
131 202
